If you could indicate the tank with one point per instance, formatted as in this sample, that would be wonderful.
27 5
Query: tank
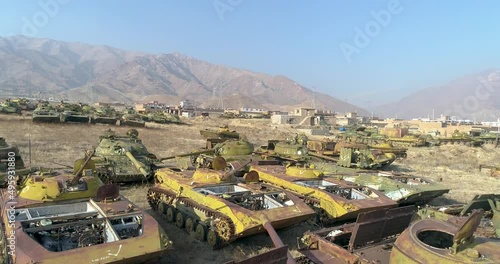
489 138
222 133
230 150
24 104
434 241
9 107
361 158
131 118
104 115
72 113
408 141
73 218
45 113
460 138
213 206
123 158
161 118
368 240
285 150
333 199
404 189
489 203
10 160
398 241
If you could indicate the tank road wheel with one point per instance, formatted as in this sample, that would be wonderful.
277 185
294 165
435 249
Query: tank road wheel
171 214
224 229
162 208
213 238
190 225
180 220
201 232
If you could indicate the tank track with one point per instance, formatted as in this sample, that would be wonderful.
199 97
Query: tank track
222 225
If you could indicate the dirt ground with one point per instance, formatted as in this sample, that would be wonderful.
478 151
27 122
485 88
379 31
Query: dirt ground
54 144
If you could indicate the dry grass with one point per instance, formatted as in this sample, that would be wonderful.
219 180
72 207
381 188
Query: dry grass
457 166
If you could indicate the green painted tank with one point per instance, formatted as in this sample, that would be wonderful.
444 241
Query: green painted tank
404 189
45 113
131 118
223 133
104 115
9 107
10 160
123 158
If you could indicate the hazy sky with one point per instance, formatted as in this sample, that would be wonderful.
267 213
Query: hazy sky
366 52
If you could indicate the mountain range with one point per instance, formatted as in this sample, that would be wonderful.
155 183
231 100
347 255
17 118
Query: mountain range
473 97
44 68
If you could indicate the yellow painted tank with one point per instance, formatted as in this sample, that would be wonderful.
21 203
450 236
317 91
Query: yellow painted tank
333 199
211 205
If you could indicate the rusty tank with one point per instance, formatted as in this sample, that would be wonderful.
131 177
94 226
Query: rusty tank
74 218
368 240
404 189
399 241
213 206
123 158
333 199
489 203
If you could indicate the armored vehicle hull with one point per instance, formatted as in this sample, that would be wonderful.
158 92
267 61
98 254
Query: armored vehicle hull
103 120
387 237
123 158
10 160
357 242
81 231
218 210
222 133
75 218
74 117
334 200
45 113
404 189
489 203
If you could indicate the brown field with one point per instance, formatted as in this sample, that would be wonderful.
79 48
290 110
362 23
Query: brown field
455 166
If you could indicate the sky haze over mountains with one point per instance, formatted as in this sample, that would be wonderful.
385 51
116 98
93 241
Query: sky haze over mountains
368 53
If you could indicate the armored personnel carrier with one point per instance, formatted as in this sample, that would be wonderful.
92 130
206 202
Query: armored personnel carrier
9 107
489 203
387 237
72 113
73 218
121 158
45 113
404 189
131 118
212 206
104 115
333 200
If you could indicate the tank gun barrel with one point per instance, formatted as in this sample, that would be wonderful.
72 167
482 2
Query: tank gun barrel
78 174
208 151
137 164
274 237
322 157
